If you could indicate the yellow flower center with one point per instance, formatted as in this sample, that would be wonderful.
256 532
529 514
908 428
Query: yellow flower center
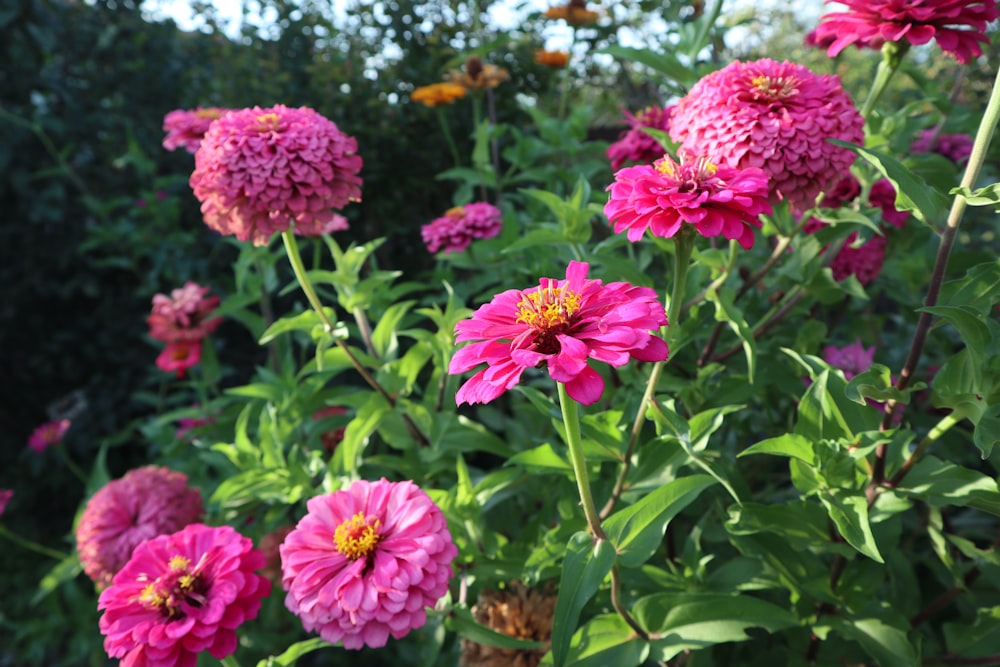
179 563
211 112
268 122
178 585
548 308
702 168
358 536
455 212
775 89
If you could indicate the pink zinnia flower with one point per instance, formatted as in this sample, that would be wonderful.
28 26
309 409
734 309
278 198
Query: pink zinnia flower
5 496
261 171
182 594
774 116
145 503
179 357
365 561
883 196
185 129
958 26
634 145
955 147
852 359
864 262
184 315
48 434
455 230
662 196
560 324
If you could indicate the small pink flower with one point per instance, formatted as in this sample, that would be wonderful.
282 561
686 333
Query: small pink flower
179 357
853 359
776 116
634 145
883 196
184 315
145 503
185 129
365 561
456 229
48 434
955 147
5 496
186 424
864 262
958 26
560 324
261 171
333 438
180 595
716 201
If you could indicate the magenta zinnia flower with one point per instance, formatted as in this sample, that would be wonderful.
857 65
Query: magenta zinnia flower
179 357
182 594
5 496
48 434
958 26
634 145
456 229
883 196
560 324
184 315
853 359
143 504
662 196
261 171
955 147
365 561
774 116
185 129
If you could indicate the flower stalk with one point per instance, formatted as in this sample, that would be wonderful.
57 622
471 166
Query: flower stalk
892 58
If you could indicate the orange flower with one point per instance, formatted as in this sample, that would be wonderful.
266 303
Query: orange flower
574 12
477 75
554 59
438 93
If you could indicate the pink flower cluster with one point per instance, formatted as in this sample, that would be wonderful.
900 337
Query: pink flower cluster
955 147
185 129
143 504
634 145
365 561
455 230
48 434
852 359
261 171
775 116
180 595
182 320
663 196
5 496
560 324
958 26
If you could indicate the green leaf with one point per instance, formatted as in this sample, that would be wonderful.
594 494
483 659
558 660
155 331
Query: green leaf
606 640
882 633
537 237
304 321
690 621
988 195
980 639
637 531
726 311
663 62
912 192
293 653
971 327
876 384
979 288
384 335
267 392
461 621
65 570
943 483
542 458
584 568
791 445
850 515
347 456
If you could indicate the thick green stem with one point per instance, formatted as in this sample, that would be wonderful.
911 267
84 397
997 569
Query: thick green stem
574 443
71 464
892 57
31 546
455 156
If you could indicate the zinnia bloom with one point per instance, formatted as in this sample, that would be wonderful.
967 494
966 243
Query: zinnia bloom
179 357
438 93
261 171
955 147
456 229
185 129
48 434
365 561
145 503
182 594
5 496
883 196
958 26
853 359
634 145
775 116
553 59
477 75
864 261
184 315
560 324
519 612
662 196
574 12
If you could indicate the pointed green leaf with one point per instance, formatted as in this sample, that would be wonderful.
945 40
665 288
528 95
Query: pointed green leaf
790 444
461 621
850 515
606 640
294 652
943 483
584 568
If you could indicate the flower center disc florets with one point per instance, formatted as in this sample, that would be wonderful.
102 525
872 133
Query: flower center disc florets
689 175
549 309
775 89
178 585
268 122
358 536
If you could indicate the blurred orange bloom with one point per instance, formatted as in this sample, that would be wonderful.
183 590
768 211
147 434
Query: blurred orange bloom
553 59
478 75
574 12
438 93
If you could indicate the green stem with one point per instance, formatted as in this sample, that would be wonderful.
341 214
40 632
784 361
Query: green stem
32 546
918 452
892 57
574 443
230 661
564 84
71 464
449 138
